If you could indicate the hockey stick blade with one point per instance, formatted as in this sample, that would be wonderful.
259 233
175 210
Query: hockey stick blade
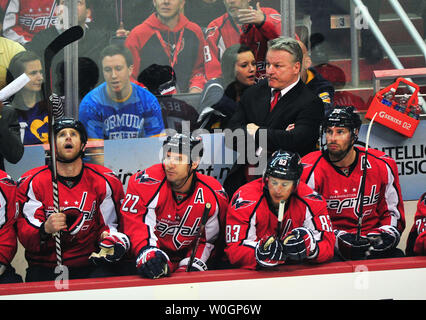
200 232
65 38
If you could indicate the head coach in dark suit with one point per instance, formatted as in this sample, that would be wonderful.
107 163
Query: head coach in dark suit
279 112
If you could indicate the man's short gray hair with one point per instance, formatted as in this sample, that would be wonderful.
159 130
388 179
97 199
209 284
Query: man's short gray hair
287 44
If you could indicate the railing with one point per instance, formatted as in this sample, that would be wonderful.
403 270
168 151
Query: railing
379 75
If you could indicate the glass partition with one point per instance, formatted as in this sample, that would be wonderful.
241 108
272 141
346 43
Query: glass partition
179 50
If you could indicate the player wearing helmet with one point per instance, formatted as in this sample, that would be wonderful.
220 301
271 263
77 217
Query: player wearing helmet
163 207
336 173
252 237
89 199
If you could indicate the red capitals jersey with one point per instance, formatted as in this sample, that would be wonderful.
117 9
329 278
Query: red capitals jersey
416 242
223 32
25 18
383 204
97 195
181 48
153 216
8 214
249 219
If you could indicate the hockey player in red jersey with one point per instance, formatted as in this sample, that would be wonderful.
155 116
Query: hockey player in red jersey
416 242
163 207
8 243
253 236
241 24
89 198
336 173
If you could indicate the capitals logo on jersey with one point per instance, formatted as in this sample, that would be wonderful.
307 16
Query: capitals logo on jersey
144 178
315 196
178 229
238 202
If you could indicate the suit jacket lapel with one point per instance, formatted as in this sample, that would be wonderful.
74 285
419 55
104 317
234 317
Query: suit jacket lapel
284 103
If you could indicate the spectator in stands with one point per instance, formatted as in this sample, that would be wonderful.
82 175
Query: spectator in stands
118 108
337 173
11 146
8 48
202 12
254 236
315 81
161 81
241 24
8 243
416 242
23 19
108 15
238 73
167 37
89 47
279 109
29 102
88 76
89 200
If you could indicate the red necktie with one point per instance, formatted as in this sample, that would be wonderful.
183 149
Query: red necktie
277 94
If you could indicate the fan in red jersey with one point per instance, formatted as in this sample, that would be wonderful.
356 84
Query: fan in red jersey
89 199
241 24
416 242
254 236
163 208
336 173
8 215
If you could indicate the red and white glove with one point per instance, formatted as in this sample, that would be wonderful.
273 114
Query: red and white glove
113 248
383 239
300 244
153 263
197 265
269 252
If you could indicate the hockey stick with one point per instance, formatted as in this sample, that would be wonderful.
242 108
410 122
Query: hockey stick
68 36
198 236
280 218
364 177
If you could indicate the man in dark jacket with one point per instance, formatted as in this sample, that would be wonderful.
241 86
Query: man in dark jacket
277 113
11 147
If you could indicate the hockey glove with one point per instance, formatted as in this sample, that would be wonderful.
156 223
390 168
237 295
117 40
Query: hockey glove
197 265
300 245
113 248
349 247
269 252
382 239
153 263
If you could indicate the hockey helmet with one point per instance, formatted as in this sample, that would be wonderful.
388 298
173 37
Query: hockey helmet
284 165
63 123
342 116
184 144
345 117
